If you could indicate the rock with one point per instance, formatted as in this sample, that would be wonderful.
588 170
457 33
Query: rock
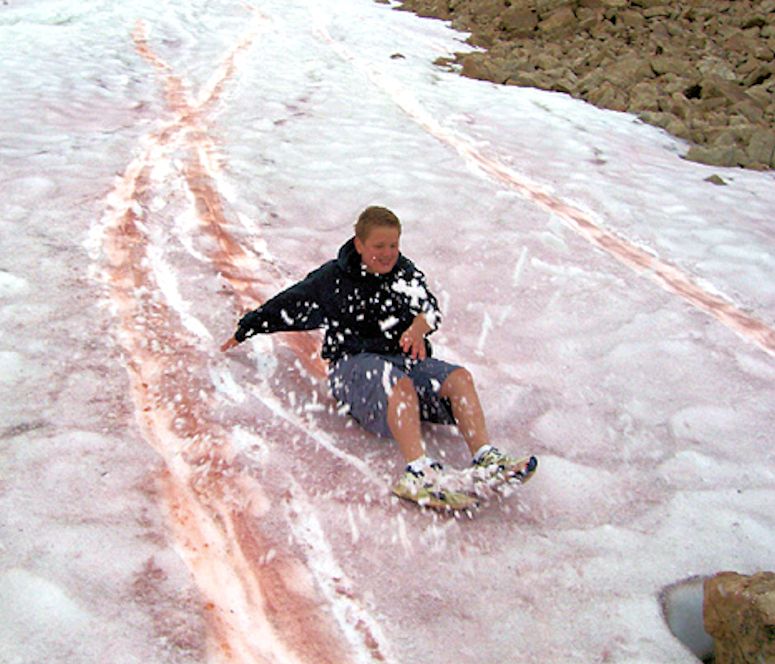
608 96
644 96
559 23
739 613
761 147
476 65
717 180
716 156
664 64
519 22
628 71
704 70
547 7
653 12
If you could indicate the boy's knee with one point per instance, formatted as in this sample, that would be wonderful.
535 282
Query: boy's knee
462 375
460 380
403 390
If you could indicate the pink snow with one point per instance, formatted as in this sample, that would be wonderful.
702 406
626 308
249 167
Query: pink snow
168 167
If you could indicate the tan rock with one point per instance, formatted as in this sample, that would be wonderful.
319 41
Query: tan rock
740 42
749 110
632 18
545 62
678 128
739 613
475 65
664 64
712 65
657 10
546 7
716 156
628 71
560 22
761 149
648 4
588 18
759 75
714 86
519 22
608 96
644 96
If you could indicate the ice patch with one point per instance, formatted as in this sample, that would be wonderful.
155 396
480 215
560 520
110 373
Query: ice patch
11 285
11 366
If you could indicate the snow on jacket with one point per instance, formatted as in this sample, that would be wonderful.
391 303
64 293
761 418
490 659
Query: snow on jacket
359 311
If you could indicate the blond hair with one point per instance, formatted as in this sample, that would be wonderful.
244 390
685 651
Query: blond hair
375 216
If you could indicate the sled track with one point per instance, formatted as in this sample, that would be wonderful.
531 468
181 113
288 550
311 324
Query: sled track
253 611
669 277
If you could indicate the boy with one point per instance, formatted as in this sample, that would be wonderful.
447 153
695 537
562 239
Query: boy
377 312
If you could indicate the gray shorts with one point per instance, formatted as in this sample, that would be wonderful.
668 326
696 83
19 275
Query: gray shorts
363 383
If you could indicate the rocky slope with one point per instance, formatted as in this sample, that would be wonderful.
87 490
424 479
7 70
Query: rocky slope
704 70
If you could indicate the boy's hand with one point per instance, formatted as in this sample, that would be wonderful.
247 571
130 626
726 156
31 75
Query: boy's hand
229 343
413 338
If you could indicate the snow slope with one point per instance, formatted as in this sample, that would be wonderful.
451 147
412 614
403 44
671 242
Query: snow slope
166 166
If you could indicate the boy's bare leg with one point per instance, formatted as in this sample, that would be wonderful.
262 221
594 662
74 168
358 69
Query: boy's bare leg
403 418
459 388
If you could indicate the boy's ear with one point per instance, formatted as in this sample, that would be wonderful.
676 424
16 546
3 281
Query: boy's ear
358 245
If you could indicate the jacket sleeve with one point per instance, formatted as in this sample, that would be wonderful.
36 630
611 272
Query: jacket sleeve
295 309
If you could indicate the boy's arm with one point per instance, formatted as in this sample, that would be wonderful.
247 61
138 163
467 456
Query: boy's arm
294 309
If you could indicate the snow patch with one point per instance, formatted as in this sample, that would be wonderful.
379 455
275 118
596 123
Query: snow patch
11 285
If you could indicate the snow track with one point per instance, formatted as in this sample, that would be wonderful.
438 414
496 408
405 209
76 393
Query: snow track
254 614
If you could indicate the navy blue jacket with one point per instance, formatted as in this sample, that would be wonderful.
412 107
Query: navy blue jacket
359 311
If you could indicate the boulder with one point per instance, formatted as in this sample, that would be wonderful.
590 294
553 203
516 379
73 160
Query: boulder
560 22
519 22
739 613
761 148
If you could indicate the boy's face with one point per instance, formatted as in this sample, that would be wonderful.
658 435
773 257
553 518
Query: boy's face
379 251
